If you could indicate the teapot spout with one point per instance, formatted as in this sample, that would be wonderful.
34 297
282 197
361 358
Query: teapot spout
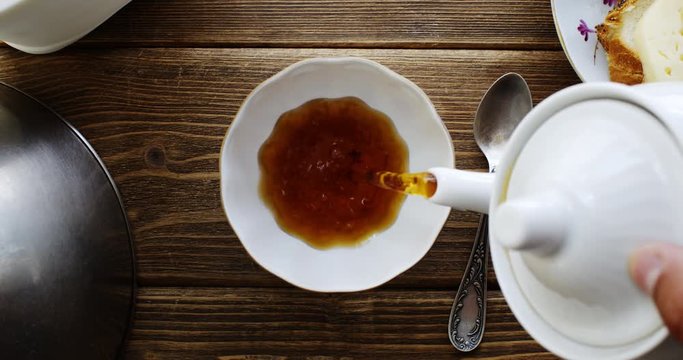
462 190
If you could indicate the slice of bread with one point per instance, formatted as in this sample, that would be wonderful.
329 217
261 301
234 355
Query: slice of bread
659 41
616 35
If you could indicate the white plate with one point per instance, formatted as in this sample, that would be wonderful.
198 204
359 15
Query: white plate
582 48
385 254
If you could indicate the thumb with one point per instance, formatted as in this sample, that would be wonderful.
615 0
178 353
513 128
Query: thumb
658 270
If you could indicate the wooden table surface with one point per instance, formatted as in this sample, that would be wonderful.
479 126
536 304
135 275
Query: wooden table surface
154 90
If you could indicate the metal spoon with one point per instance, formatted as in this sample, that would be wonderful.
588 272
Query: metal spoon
503 106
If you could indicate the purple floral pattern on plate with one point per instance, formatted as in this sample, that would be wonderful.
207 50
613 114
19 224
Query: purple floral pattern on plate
584 29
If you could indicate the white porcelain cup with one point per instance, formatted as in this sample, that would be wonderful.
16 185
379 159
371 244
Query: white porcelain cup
44 26
340 269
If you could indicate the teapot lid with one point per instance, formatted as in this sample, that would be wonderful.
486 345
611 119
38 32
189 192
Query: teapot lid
592 183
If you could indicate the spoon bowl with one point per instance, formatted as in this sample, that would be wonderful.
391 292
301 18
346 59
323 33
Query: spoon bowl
503 106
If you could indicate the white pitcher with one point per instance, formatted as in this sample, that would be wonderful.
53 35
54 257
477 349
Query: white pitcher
590 174
43 26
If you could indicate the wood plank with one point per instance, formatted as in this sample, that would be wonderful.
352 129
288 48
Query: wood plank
158 116
490 24
181 323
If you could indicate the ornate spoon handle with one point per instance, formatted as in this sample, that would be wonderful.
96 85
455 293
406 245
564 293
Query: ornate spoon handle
468 314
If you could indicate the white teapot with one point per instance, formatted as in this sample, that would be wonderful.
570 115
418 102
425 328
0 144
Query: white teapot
43 26
591 173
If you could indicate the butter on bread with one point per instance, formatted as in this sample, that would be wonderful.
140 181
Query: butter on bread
659 41
617 37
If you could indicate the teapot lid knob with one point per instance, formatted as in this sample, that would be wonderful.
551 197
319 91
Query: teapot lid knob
538 224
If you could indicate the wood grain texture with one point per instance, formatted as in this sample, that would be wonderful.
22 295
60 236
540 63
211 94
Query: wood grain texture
454 24
158 116
155 88
225 323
